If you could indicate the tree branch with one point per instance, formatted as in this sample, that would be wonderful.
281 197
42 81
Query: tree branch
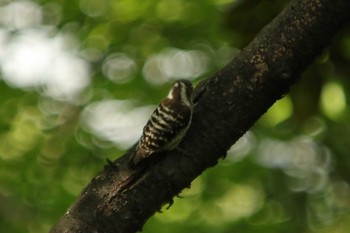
121 200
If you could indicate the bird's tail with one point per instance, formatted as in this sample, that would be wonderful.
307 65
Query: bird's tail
138 156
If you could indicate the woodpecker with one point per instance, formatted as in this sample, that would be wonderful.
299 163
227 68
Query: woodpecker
168 123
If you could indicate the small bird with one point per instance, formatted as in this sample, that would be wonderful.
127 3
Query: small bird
168 123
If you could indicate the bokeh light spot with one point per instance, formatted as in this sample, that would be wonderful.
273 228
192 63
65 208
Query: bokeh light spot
20 14
119 67
173 64
240 201
333 100
278 113
47 64
93 8
306 163
116 121
242 147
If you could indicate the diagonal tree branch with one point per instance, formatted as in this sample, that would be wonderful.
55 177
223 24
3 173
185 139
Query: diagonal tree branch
121 200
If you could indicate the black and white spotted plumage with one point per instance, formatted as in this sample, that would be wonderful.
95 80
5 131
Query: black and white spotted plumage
168 123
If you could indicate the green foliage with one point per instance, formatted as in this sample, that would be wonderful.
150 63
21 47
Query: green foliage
80 78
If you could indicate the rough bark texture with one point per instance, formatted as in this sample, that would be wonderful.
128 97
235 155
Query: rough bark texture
121 200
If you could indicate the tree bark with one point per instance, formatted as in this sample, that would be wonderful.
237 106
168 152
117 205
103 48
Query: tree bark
120 199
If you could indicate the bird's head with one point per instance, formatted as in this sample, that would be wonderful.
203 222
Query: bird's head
181 90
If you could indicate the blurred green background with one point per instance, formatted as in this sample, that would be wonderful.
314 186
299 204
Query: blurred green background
80 78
